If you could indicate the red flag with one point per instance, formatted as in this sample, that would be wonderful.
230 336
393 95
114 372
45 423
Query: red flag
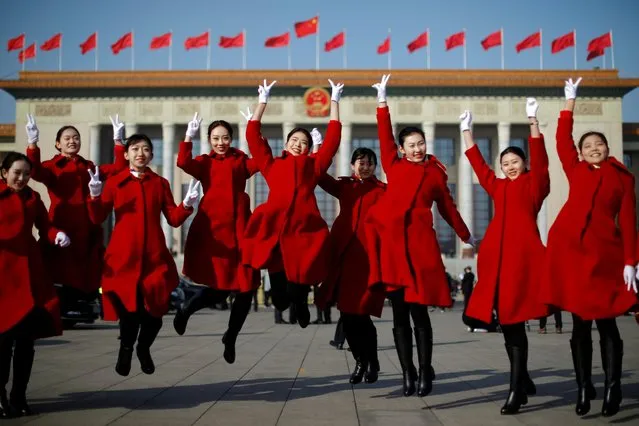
595 54
228 42
124 42
335 42
492 40
52 43
563 42
281 40
162 41
15 43
458 39
533 40
90 43
384 47
27 53
304 28
418 43
600 42
196 42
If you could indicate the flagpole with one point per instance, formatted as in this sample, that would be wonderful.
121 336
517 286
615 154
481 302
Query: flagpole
574 35
612 51
208 50
604 59
171 50
132 51
344 47
317 43
428 48
465 60
288 49
390 50
502 49
60 56
96 50
244 49
541 51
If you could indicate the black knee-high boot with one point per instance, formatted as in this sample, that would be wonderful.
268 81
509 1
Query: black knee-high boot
279 292
529 385
201 298
424 343
129 329
149 329
358 348
582 362
611 356
239 312
372 373
298 294
6 351
516 396
404 345
22 365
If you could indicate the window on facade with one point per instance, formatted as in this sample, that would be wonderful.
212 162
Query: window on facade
327 203
261 188
370 144
482 211
156 161
484 148
627 160
520 143
445 234
445 150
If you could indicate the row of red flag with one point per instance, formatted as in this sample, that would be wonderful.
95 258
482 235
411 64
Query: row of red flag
596 46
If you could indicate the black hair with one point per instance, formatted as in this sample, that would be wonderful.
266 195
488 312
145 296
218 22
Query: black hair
299 129
11 158
138 137
407 131
59 134
218 123
585 135
513 150
367 153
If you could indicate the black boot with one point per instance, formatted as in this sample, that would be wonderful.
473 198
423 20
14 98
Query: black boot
516 396
529 385
404 345
372 373
424 343
611 356
320 316
6 351
149 330
229 340
356 343
123 366
201 298
22 364
582 362
327 316
358 372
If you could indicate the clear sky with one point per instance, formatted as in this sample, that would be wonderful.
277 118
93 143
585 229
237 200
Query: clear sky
366 23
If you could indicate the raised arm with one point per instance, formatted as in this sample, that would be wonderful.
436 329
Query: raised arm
38 173
387 146
565 144
185 160
538 155
257 144
324 157
99 203
485 174
331 185
176 215
119 162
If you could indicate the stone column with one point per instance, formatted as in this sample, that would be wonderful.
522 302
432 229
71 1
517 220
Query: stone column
345 151
241 128
503 142
428 127
287 126
94 143
465 194
130 129
205 147
168 139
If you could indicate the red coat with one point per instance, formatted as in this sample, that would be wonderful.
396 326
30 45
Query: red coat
587 250
212 251
137 255
511 252
25 284
288 227
403 248
79 265
348 275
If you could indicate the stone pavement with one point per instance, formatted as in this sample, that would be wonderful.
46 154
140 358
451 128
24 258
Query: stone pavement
284 375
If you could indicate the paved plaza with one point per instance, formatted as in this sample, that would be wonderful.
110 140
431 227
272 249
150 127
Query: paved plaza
284 375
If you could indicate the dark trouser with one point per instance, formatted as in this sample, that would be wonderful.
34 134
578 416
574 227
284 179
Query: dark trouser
340 336
361 334
558 322
23 354
285 294
205 297
138 326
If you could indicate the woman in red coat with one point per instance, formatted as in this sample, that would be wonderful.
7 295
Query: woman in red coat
509 274
79 267
139 271
590 258
287 234
403 249
347 282
28 302
212 253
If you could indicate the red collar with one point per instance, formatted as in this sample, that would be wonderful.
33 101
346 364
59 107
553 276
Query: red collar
60 160
232 152
125 175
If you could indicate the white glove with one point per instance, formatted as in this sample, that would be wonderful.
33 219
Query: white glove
531 107
192 194
466 120
264 91
381 88
62 239
570 89
193 127
317 137
248 114
336 90
118 127
471 241
95 185
629 277
33 134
